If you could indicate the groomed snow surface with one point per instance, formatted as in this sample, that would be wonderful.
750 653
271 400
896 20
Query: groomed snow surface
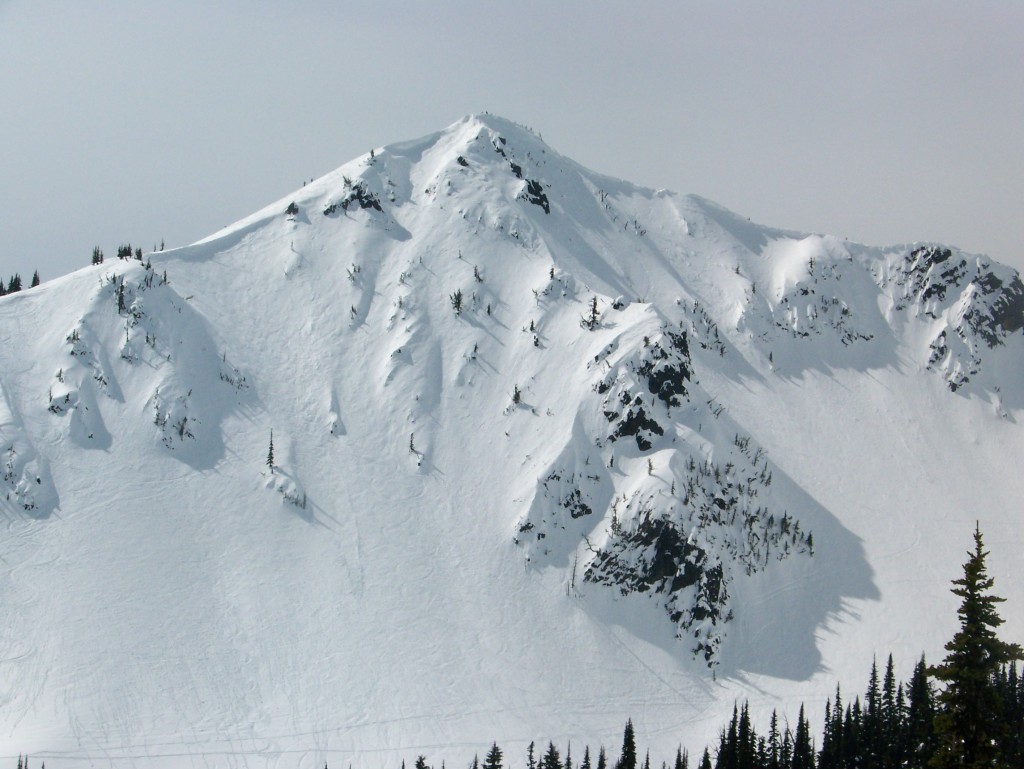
171 602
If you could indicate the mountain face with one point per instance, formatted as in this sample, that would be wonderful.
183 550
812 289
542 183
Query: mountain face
463 442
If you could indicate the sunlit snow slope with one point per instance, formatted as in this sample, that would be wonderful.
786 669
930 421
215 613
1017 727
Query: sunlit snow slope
549 451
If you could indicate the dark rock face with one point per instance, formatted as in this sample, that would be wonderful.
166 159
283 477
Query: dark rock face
979 304
696 514
664 368
355 195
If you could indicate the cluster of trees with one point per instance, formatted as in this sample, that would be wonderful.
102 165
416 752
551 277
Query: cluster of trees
14 283
124 251
893 726
965 713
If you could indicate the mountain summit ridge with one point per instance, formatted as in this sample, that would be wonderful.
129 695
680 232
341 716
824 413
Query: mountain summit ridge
536 432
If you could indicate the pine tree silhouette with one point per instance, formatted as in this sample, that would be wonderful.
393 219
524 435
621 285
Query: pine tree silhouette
970 721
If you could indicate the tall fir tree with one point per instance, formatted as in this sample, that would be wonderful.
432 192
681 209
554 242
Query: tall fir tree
803 749
493 758
828 755
746 741
774 743
852 737
728 744
871 720
628 758
889 721
970 720
551 759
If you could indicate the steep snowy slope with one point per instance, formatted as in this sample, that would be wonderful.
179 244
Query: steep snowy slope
549 451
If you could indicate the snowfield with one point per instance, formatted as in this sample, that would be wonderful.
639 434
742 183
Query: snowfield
497 511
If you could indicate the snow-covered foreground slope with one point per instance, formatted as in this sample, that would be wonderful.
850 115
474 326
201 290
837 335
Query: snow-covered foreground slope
550 451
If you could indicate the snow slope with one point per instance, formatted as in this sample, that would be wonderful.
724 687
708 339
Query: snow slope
498 510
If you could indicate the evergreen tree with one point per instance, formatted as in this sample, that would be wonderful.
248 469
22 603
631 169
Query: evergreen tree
774 743
270 458
871 721
725 755
828 757
900 735
746 741
628 758
14 284
803 750
970 721
728 744
97 255
682 759
493 758
1012 693
592 318
705 760
551 759
851 755
762 753
35 279
585 764
421 762
786 749
602 759
531 762
889 719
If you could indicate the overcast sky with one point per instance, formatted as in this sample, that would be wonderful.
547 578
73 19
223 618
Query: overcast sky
883 122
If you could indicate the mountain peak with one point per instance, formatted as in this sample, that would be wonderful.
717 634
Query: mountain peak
533 429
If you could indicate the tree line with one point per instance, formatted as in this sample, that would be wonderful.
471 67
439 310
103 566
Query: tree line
965 713
14 283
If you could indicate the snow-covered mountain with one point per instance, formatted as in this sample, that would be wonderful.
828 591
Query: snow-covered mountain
549 450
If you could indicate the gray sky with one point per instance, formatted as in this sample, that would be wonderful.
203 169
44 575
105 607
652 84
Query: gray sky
139 121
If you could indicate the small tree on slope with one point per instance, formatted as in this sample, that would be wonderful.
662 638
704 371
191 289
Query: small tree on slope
970 721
